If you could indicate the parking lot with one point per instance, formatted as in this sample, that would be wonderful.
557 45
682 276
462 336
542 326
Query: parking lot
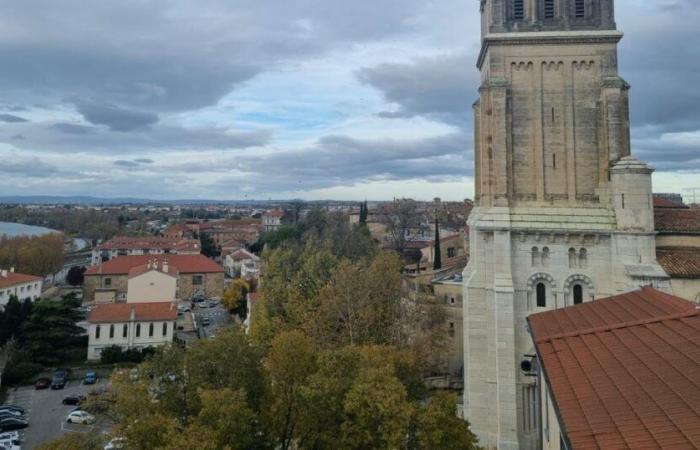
217 316
47 415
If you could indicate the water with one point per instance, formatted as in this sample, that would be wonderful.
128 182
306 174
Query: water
18 229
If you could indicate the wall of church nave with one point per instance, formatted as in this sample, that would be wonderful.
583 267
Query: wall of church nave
688 289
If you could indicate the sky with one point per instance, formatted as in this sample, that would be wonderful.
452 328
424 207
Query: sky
311 99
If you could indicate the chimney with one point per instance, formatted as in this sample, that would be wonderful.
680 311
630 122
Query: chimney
3 273
165 265
12 269
132 316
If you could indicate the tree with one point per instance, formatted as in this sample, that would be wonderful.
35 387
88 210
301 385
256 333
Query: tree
234 298
363 213
50 334
12 317
400 218
74 441
75 276
437 259
439 427
208 246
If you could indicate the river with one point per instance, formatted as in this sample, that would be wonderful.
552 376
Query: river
17 229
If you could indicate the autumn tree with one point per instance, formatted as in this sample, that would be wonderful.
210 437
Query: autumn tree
439 427
234 298
75 441
400 218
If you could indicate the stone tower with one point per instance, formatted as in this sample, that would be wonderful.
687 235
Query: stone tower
563 213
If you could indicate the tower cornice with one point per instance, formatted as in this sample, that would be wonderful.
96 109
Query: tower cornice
546 38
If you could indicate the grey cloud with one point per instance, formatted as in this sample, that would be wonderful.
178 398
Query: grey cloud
123 163
116 118
72 128
144 161
27 167
11 118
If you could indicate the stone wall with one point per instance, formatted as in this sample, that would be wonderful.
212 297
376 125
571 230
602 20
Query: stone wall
212 285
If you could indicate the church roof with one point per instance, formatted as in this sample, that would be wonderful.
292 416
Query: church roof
680 262
669 220
623 371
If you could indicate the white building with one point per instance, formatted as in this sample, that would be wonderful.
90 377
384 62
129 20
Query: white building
155 281
272 220
563 213
20 285
242 263
130 325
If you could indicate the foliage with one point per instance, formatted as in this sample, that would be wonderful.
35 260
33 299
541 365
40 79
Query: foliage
116 354
76 276
208 246
12 317
75 441
35 255
234 298
439 427
401 217
437 258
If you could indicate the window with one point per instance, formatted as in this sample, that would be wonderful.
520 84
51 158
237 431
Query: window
541 295
125 330
111 331
572 258
545 256
578 294
580 9
165 328
108 282
97 332
519 9
452 300
583 258
451 252
452 329
138 330
549 9
197 280
150 330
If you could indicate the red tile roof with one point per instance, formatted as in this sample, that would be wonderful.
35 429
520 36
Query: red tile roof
623 372
149 242
274 213
660 202
140 270
680 262
677 220
122 265
14 279
121 312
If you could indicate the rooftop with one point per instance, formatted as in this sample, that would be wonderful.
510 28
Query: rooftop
680 262
10 278
150 242
679 220
122 312
122 265
623 372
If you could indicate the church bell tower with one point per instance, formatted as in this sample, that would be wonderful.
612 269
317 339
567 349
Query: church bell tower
563 211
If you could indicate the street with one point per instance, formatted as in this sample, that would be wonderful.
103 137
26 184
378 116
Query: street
218 318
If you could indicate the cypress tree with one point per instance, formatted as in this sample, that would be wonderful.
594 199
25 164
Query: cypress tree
437 263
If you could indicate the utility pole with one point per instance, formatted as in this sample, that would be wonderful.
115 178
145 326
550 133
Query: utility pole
694 193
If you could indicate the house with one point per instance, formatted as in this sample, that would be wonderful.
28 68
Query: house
223 233
242 263
152 282
21 285
130 326
149 245
619 373
272 220
178 231
447 289
196 275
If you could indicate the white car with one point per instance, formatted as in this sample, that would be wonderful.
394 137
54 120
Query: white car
115 444
80 417
9 444
11 435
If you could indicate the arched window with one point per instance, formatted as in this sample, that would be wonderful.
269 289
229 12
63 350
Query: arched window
545 256
138 330
150 330
97 332
535 257
125 330
572 258
519 9
578 294
583 258
541 295
549 9
111 331
165 328
580 9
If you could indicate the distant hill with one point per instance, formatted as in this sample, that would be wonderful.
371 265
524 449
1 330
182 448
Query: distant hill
87 200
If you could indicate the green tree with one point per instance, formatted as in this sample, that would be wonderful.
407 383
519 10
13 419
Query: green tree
439 427
208 246
226 417
75 276
234 298
12 317
74 441
50 334
437 258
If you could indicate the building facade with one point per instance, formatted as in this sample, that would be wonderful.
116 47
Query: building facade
272 220
151 245
563 212
21 285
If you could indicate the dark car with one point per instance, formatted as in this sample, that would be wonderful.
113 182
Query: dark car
9 415
13 424
60 377
73 400
42 383
14 408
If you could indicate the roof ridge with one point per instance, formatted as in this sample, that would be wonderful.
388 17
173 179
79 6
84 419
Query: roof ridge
606 328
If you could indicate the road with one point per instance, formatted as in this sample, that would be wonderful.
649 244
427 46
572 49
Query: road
218 318
47 415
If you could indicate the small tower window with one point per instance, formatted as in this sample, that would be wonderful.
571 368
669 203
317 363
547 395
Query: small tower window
138 330
519 9
125 330
97 332
541 295
580 9
578 294
583 258
111 331
150 330
549 11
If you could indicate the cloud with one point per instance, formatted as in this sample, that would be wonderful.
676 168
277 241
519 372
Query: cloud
26 167
138 162
116 118
10 118
71 128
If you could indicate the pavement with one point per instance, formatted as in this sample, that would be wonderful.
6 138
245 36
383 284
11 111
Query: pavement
47 415
218 316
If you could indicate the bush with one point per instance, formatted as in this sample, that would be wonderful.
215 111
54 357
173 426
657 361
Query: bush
18 372
115 354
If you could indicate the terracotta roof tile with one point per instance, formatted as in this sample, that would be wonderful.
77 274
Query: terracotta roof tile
122 265
14 278
660 202
677 220
121 312
624 371
680 262
149 242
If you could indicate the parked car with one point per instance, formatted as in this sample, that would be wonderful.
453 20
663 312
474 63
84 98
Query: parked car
14 435
184 308
90 378
12 423
10 413
18 409
80 417
73 400
206 321
116 443
42 383
9 445
9 442
60 378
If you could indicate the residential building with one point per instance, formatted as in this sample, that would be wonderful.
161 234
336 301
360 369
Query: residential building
272 220
242 263
155 281
149 245
448 291
178 231
196 275
130 326
617 373
21 285
224 232
563 213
